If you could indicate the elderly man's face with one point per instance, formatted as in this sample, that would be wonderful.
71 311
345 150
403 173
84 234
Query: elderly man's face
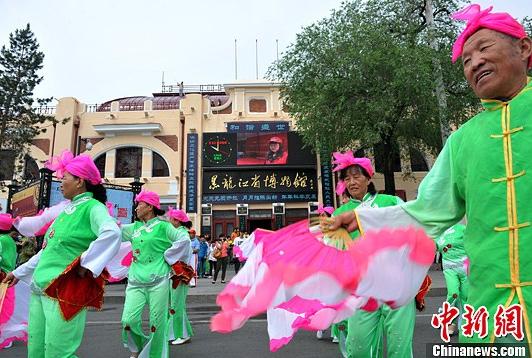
495 65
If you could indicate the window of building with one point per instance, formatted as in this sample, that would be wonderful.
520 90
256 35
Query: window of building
31 169
7 164
100 164
257 105
128 162
159 167
417 161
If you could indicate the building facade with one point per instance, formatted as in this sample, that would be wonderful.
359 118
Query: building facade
227 154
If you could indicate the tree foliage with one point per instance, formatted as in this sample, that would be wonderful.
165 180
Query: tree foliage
364 77
20 122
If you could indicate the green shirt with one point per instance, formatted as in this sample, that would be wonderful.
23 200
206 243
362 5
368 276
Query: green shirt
484 172
8 253
149 241
69 236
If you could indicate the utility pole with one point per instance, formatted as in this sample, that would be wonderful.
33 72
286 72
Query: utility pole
257 58
440 88
236 68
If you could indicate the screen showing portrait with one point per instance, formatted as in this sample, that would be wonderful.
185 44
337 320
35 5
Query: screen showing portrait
262 148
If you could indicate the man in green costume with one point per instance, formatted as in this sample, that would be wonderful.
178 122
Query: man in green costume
482 172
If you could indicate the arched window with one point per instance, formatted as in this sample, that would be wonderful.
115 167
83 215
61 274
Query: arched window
100 164
417 161
159 167
128 162
31 169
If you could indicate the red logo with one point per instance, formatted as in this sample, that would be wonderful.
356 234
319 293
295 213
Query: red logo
475 321
509 321
444 319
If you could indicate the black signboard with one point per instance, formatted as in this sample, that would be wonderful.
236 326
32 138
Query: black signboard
327 180
192 172
264 185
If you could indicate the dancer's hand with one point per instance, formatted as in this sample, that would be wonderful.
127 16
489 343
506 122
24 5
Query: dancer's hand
10 279
347 220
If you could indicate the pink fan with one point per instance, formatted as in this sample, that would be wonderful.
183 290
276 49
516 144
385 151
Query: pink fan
296 278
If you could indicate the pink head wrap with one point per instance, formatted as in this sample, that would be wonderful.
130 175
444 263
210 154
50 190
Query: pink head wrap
340 187
81 166
484 19
347 159
149 197
327 209
177 214
6 221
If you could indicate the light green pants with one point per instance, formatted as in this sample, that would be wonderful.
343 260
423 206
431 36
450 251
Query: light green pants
49 335
156 297
179 325
457 286
366 330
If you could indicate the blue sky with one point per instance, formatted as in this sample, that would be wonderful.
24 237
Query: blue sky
99 50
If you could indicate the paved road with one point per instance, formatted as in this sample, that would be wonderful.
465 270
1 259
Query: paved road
102 338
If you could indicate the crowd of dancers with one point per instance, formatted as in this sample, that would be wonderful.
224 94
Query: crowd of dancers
359 270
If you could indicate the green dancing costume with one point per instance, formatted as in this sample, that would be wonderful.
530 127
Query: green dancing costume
179 324
156 246
365 330
8 253
451 245
82 230
483 173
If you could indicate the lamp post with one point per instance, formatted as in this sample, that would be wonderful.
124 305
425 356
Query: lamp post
45 188
13 187
88 145
136 186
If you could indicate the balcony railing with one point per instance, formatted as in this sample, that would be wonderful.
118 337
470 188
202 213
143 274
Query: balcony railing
193 88
45 110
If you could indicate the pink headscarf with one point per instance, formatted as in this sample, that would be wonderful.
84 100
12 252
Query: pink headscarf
81 166
177 214
327 209
347 159
6 221
484 19
148 197
340 187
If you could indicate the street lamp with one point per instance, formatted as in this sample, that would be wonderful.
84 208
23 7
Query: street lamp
88 144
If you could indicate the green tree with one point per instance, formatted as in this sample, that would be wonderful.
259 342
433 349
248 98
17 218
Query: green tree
20 122
365 78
